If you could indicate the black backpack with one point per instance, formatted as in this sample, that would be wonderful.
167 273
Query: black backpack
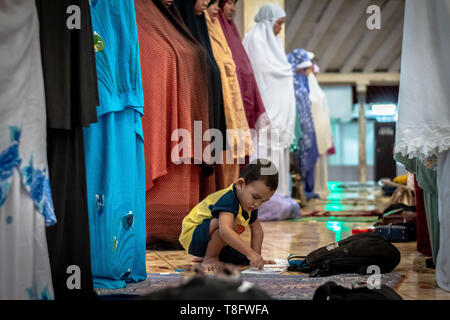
332 291
351 255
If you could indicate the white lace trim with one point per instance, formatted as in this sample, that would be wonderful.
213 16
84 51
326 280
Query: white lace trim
419 141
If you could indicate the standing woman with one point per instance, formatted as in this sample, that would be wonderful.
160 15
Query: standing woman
253 105
423 126
275 81
71 95
321 118
26 206
235 116
192 12
175 84
115 169
308 153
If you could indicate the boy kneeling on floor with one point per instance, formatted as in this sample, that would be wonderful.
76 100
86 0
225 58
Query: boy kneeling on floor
210 232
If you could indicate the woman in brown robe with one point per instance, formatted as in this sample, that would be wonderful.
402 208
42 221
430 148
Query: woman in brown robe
175 83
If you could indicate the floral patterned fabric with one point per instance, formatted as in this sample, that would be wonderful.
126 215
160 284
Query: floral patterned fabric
25 272
36 180
22 109
26 205
308 153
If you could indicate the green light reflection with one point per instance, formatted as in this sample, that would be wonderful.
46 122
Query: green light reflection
338 227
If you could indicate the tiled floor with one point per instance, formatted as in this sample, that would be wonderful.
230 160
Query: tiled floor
302 236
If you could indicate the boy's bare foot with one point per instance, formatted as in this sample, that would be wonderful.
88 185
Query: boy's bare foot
196 259
212 264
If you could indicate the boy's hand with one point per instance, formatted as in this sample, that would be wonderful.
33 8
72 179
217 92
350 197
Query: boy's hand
256 261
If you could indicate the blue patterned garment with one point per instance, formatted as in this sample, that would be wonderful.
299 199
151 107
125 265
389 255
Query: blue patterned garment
9 159
35 179
308 152
114 148
23 129
26 205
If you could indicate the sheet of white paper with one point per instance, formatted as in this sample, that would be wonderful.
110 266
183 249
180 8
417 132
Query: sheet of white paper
280 266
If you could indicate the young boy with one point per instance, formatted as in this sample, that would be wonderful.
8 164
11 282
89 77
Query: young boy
210 233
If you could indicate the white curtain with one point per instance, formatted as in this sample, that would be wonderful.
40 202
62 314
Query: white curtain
340 99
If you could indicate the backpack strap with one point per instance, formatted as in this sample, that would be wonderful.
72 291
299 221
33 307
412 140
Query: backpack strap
297 263
296 257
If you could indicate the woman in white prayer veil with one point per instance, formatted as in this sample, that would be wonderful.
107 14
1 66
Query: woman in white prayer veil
423 127
275 81
321 117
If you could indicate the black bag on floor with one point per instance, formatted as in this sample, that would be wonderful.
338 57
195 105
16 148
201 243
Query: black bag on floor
399 232
398 213
206 288
332 291
351 255
397 223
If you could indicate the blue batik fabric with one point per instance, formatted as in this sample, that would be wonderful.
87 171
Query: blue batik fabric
308 152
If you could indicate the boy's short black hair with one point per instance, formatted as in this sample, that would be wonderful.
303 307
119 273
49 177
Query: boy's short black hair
263 170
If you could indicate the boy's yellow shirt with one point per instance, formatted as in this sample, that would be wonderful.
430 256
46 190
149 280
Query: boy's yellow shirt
211 206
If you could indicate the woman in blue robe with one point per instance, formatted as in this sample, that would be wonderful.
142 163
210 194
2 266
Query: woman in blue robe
115 150
308 152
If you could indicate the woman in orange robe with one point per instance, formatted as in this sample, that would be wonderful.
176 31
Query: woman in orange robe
235 116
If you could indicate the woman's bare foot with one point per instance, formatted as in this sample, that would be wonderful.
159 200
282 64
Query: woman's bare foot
212 264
